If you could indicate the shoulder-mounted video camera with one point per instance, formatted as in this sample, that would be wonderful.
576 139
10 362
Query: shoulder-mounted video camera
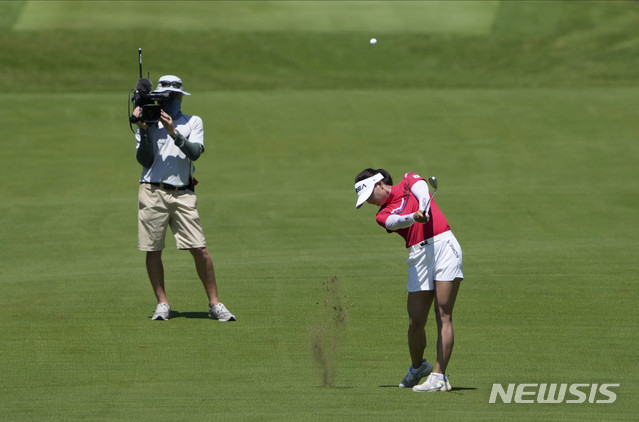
144 97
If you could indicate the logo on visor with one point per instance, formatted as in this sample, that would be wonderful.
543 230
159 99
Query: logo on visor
359 188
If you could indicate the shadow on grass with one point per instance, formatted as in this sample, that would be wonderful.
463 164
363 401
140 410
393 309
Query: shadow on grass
193 315
453 389
463 388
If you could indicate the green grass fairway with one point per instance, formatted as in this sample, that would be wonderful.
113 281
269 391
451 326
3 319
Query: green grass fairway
531 134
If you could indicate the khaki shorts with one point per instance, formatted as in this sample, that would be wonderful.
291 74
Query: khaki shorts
159 209
438 259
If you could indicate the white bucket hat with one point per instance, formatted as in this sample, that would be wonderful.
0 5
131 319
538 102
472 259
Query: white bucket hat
364 188
170 83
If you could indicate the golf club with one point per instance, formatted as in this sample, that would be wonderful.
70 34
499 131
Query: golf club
433 182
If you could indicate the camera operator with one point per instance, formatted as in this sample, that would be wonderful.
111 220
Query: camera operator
166 197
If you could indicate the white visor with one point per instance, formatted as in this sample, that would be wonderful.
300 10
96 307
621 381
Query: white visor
364 188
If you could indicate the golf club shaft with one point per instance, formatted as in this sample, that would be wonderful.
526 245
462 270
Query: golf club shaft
427 207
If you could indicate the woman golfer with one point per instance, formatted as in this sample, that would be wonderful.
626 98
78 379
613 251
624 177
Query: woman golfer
434 266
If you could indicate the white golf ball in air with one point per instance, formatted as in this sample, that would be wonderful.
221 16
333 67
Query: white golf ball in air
373 41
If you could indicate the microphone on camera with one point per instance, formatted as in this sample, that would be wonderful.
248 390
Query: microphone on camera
144 86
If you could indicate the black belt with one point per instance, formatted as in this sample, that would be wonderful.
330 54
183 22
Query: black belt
166 186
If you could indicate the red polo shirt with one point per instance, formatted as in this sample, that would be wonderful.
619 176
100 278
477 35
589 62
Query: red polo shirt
401 202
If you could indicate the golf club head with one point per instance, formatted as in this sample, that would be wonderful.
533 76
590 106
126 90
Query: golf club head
433 182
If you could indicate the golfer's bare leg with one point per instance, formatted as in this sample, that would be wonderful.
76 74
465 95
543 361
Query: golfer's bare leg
206 272
155 269
445 301
418 306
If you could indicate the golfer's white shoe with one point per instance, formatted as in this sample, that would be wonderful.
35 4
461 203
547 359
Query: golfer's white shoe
220 313
162 312
434 382
415 375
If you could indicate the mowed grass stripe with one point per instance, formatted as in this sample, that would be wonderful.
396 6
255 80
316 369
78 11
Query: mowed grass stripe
567 55
381 17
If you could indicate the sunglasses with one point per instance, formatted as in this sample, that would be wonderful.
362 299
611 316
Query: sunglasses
165 84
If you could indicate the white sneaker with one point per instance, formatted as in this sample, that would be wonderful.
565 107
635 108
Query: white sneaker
415 375
162 312
220 313
434 382
448 386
